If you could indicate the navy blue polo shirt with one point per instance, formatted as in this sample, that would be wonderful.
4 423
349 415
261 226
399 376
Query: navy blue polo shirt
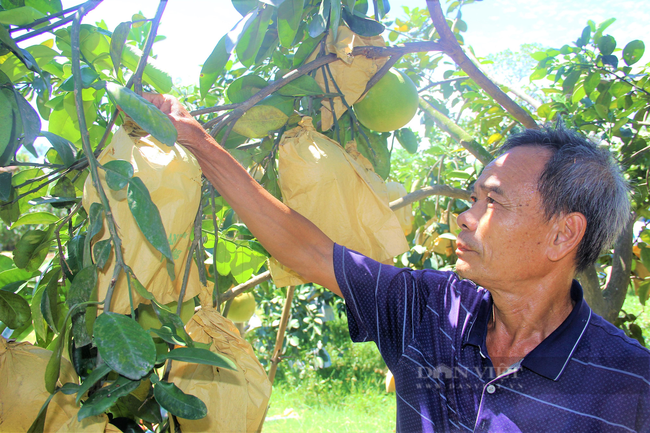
430 328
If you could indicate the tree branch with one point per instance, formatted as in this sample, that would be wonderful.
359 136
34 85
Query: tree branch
457 133
369 51
607 302
87 7
428 191
517 91
136 78
238 290
453 50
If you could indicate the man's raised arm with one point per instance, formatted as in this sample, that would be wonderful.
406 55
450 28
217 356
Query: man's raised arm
292 239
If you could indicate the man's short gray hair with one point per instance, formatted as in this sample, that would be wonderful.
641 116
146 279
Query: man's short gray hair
580 177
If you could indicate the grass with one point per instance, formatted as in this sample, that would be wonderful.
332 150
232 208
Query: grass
370 410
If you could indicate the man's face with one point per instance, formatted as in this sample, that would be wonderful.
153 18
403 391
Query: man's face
504 234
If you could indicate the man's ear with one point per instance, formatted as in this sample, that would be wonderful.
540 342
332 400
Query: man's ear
568 230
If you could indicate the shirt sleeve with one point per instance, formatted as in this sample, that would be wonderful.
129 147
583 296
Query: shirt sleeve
385 304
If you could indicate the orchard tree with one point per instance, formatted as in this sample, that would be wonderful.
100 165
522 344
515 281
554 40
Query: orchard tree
258 82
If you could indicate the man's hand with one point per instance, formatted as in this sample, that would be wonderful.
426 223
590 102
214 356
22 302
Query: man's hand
190 132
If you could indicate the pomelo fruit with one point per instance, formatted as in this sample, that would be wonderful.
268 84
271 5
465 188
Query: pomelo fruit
242 308
390 104
147 316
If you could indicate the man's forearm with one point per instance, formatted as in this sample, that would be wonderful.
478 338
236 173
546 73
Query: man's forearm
292 239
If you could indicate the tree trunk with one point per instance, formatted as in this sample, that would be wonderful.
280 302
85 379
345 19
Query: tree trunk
607 302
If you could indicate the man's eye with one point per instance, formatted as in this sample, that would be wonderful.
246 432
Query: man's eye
490 200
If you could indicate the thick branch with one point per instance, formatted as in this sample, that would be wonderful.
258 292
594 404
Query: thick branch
457 133
517 91
608 302
453 50
137 76
429 191
238 290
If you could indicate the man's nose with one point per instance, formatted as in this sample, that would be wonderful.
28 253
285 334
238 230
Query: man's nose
467 220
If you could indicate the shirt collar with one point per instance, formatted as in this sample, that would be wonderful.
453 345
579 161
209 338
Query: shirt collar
551 356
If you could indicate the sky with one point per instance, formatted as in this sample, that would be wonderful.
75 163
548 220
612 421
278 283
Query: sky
193 27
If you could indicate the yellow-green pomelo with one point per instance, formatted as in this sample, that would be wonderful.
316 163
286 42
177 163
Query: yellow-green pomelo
242 307
390 104
147 316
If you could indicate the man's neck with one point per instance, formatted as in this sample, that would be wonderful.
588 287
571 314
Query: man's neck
523 317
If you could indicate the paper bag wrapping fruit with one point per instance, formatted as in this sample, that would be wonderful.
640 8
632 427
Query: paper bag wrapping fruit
236 400
173 178
339 193
351 73
404 214
22 388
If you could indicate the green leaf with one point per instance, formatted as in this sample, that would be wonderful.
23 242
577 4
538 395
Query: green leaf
49 301
145 114
92 379
140 289
117 44
610 60
376 151
633 52
31 249
198 356
213 66
38 425
383 8
83 289
66 150
173 400
335 17
173 322
251 39
645 257
289 19
305 49
14 310
259 121
118 174
245 6
592 81
159 79
106 397
102 251
244 87
20 16
53 369
643 292
6 118
88 76
31 122
407 139
606 45
45 6
303 86
96 215
40 326
364 26
6 188
5 38
35 218
318 22
124 345
570 81
147 216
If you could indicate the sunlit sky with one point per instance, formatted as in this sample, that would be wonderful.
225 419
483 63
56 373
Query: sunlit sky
193 27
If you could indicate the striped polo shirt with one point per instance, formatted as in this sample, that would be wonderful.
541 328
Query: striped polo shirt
430 328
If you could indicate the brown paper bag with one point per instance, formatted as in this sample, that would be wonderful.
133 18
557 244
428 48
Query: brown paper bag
236 400
345 199
173 178
22 388
351 73
404 214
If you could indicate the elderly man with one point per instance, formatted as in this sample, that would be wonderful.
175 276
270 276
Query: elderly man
513 346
